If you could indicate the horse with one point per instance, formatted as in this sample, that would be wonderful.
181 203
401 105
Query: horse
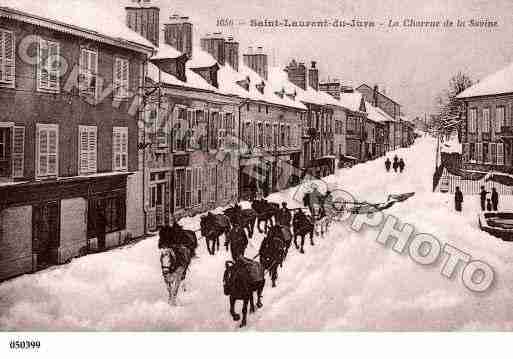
274 249
266 211
246 217
176 235
174 262
212 227
302 225
240 280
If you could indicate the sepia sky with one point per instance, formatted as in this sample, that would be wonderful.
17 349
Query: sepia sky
413 65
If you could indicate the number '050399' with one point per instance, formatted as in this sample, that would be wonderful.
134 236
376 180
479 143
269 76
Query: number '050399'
25 344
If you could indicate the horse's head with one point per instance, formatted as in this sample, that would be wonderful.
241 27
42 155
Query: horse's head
228 277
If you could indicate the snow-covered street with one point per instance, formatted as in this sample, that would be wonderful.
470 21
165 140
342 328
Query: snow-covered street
348 281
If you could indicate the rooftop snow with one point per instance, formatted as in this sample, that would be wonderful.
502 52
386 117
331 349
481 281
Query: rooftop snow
166 52
351 100
200 58
278 79
86 15
194 80
497 83
376 114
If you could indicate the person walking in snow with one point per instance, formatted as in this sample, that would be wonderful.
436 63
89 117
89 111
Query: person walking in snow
401 165
388 163
495 199
395 165
482 197
458 199
284 217
488 204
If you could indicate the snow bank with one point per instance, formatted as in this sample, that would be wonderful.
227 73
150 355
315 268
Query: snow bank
347 281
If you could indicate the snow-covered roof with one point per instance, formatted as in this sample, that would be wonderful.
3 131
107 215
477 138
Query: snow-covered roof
376 114
351 100
278 79
166 51
81 17
200 58
497 83
194 80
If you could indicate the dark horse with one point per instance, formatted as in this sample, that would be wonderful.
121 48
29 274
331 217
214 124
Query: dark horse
212 227
303 225
241 279
246 217
266 211
274 249
176 235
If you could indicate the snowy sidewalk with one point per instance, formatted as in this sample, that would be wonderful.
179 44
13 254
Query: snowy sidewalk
347 281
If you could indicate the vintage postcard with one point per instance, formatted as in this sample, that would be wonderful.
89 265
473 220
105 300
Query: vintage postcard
262 166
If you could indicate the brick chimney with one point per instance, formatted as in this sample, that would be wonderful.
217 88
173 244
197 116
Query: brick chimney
375 96
332 87
257 61
178 33
297 74
313 76
214 45
231 52
145 21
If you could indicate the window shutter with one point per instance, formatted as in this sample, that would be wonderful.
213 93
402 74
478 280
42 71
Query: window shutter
124 149
92 149
479 154
125 79
188 187
43 152
500 153
7 57
116 149
18 151
83 138
42 66
53 66
53 138
118 77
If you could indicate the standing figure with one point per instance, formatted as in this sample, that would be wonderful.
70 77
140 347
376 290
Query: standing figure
488 204
495 199
401 165
482 197
458 199
284 217
395 165
238 241
388 163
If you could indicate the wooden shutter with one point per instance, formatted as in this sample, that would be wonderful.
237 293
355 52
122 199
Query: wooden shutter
118 77
47 150
93 151
200 186
125 78
120 148
479 152
42 68
7 57
53 64
500 153
188 187
18 151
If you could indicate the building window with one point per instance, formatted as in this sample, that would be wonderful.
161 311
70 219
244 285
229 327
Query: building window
260 134
247 106
499 118
87 149
47 150
7 58
276 135
179 188
486 120
197 183
479 152
179 129
472 120
214 127
112 210
500 154
351 124
213 184
248 134
88 73
120 148
48 66
267 109
472 152
268 135
288 141
486 153
221 131
121 78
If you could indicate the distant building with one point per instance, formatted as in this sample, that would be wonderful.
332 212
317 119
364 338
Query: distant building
486 130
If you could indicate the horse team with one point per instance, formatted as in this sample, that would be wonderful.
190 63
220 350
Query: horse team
243 277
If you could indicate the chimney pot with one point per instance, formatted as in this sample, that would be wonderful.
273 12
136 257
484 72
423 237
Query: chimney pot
313 64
